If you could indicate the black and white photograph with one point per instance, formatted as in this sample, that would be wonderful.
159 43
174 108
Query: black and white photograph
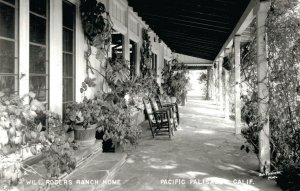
149 95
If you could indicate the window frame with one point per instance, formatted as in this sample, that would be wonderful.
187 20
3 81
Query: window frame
16 46
67 52
47 47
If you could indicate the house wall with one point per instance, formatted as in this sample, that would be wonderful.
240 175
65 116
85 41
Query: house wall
124 19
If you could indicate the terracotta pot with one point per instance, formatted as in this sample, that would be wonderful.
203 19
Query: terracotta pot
85 137
173 99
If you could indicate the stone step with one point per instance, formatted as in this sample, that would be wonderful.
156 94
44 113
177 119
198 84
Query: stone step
93 167
95 173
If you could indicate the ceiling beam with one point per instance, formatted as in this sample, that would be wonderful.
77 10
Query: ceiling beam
187 36
185 21
189 25
242 24
184 44
194 48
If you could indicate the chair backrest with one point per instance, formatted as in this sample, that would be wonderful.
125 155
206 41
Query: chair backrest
149 111
154 104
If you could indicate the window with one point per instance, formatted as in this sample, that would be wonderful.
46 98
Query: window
132 58
68 53
154 63
9 63
117 40
38 49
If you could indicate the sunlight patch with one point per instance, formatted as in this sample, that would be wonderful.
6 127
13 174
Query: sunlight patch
205 131
210 144
190 174
163 167
130 161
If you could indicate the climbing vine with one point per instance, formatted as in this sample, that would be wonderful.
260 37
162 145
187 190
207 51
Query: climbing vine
283 47
146 54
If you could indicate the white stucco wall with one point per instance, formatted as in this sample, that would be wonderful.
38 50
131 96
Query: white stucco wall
125 20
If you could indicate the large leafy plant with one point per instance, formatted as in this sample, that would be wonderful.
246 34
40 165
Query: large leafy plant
21 127
175 79
84 113
115 120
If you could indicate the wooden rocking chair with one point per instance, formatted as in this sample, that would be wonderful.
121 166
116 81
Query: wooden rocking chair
174 107
159 120
156 107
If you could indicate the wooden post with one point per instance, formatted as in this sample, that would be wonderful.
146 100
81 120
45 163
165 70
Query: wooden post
226 89
213 83
220 84
126 40
217 83
237 78
263 92
208 84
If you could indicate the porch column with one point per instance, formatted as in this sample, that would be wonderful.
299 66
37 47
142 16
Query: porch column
208 84
237 79
220 84
263 94
211 83
138 53
226 88
215 96
226 94
126 40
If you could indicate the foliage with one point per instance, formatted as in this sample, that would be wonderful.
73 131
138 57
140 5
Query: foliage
110 110
175 79
283 59
59 150
20 129
97 27
88 82
140 88
116 72
93 20
84 113
115 120
17 130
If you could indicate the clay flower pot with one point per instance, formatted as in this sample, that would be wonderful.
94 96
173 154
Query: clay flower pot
85 137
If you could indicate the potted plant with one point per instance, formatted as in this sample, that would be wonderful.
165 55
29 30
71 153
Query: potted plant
175 81
115 122
82 118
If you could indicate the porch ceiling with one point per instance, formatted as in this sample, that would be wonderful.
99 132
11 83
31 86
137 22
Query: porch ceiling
193 27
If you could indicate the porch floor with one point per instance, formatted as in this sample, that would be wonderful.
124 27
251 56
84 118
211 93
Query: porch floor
204 148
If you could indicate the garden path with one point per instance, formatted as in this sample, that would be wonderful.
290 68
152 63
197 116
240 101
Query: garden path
204 148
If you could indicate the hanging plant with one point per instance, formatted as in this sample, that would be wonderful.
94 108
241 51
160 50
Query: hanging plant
92 18
97 27
228 62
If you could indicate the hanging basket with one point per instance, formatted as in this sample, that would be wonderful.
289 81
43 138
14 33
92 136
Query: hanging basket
227 64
